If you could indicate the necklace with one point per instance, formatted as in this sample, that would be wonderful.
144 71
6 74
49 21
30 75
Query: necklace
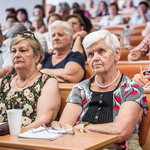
109 83
25 83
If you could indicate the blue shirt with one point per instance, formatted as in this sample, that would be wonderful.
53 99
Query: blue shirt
71 57
137 19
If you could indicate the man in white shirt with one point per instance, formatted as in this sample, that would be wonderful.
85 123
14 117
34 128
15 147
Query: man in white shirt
5 59
142 16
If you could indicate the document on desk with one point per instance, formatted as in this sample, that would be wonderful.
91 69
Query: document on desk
40 134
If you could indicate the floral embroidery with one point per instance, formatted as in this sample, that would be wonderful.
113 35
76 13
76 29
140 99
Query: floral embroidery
30 96
28 109
6 87
26 92
37 88
2 107
25 121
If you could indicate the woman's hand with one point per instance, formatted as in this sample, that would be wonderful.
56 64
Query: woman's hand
80 33
147 80
135 54
122 145
138 78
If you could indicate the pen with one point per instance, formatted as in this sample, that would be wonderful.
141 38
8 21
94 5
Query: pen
142 73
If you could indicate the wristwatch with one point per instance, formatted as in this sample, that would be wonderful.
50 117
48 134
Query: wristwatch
82 125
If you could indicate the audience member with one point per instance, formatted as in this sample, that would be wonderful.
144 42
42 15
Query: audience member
142 16
63 63
109 102
63 9
50 9
78 32
129 7
8 12
22 17
113 18
141 50
39 11
5 58
38 25
74 7
91 8
102 10
87 22
14 28
82 7
34 92
51 18
11 18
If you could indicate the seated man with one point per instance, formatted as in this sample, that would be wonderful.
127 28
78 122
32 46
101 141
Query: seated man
142 16
63 63
5 59
141 50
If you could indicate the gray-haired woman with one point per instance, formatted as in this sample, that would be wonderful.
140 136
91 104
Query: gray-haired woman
34 92
63 63
109 101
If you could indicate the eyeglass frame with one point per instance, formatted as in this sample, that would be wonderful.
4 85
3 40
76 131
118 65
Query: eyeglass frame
47 128
24 32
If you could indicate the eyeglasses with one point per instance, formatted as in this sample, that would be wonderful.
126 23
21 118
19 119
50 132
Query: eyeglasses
74 23
56 128
26 34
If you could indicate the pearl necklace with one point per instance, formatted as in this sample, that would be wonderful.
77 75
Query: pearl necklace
109 83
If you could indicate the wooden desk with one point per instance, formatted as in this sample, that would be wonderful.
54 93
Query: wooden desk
79 141
65 88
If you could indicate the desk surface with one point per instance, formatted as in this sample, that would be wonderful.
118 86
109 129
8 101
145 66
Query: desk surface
80 141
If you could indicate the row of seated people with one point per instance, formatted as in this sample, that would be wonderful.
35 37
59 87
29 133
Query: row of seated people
109 101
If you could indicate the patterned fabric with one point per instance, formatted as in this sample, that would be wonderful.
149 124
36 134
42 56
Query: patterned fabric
127 90
144 46
146 71
26 99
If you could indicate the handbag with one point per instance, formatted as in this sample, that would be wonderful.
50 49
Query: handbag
4 128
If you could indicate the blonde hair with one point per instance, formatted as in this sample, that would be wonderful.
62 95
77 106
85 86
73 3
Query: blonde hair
36 46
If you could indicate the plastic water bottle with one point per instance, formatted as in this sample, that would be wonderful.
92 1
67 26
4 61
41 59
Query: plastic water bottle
127 36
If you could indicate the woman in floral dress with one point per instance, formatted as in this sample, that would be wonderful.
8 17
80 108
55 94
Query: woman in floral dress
29 89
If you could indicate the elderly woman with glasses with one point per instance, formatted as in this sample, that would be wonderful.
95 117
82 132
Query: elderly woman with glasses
29 89
109 102
63 63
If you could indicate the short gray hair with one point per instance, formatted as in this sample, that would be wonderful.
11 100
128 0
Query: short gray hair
111 40
14 28
63 5
66 26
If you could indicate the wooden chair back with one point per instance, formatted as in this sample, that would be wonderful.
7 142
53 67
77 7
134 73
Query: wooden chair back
129 71
124 56
63 104
87 74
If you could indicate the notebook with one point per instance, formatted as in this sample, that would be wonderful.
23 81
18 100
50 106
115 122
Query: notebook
40 134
